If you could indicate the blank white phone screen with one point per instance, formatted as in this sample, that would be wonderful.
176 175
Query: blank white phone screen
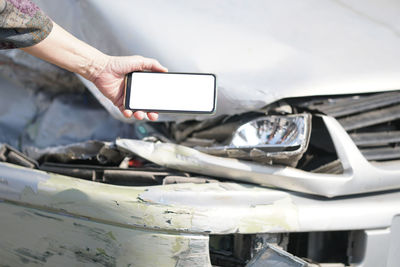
172 92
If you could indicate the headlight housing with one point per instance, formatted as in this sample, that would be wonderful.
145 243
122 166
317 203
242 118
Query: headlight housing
270 139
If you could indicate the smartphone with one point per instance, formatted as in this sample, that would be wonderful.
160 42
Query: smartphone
171 92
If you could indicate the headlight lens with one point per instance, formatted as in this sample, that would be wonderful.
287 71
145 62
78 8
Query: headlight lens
272 132
271 139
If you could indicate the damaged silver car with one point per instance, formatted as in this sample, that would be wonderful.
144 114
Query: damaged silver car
299 166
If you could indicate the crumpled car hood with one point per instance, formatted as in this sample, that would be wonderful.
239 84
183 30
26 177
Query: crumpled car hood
261 51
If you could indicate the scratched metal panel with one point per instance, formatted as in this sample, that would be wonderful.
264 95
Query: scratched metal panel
31 237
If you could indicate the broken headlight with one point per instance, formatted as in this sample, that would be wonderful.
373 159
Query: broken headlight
269 139
272 133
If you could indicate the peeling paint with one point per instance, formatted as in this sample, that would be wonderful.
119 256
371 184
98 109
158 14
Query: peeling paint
114 225
16 179
215 208
100 258
177 246
283 216
178 207
47 216
110 234
27 255
193 255
73 242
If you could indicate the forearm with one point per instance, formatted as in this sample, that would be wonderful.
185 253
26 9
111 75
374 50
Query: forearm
106 72
64 50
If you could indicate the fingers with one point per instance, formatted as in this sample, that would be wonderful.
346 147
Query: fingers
139 115
153 116
127 113
153 65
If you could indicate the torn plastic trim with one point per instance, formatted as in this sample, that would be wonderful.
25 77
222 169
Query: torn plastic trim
359 176
272 255
11 155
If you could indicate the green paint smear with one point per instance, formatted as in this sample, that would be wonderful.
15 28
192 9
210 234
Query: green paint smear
102 251
110 235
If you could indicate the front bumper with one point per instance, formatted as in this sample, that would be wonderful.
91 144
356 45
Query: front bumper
49 218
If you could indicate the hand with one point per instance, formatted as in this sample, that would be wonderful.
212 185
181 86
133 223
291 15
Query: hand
106 72
110 80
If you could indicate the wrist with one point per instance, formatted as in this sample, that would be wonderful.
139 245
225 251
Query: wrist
93 65
64 50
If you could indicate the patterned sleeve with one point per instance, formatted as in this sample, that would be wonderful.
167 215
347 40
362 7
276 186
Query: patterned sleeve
22 24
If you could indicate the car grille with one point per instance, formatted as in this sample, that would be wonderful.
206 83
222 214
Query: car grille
371 120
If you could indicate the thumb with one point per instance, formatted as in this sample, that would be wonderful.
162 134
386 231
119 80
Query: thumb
152 65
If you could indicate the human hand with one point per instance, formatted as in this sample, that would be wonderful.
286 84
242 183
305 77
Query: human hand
106 72
110 80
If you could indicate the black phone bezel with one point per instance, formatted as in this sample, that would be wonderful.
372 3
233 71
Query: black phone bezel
128 82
